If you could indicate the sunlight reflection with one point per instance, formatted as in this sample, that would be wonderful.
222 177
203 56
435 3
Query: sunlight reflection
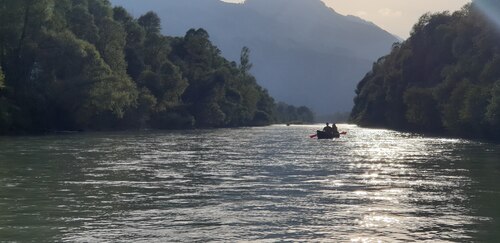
491 8
389 185
365 240
271 184
376 220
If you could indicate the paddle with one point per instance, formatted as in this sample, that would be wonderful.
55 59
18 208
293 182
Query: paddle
315 135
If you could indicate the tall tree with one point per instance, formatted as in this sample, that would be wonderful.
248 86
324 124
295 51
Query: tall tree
150 22
245 64
111 44
82 24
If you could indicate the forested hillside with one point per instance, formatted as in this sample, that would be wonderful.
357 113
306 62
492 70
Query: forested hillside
83 65
444 79
303 52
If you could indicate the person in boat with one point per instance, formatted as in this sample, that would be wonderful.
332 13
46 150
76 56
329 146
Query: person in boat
328 129
335 130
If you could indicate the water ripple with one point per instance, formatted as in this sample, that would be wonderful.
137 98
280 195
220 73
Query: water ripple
254 184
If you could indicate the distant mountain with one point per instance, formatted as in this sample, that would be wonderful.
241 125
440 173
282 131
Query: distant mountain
303 52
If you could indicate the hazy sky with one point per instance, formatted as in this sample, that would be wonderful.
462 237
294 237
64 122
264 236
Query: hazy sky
395 16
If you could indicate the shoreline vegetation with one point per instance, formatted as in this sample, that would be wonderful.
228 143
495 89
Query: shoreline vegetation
82 65
444 80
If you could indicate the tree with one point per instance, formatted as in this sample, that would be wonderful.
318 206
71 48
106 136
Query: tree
421 112
113 94
156 51
100 10
245 64
134 45
82 24
167 86
290 114
111 45
305 114
150 22
493 108
474 110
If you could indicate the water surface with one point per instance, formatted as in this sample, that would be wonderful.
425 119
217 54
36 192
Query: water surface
252 184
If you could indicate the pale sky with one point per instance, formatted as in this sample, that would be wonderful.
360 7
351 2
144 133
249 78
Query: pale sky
395 16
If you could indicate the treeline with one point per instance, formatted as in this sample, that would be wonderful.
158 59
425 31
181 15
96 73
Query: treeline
291 114
337 117
83 65
444 79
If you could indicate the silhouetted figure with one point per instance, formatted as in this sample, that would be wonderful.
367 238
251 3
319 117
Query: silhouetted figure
335 130
328 129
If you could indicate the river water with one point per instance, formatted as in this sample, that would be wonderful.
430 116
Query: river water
261 184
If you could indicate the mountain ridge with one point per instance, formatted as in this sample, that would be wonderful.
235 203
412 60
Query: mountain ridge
303 51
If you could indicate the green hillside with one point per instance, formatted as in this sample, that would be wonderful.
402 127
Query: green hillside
83 65
444 79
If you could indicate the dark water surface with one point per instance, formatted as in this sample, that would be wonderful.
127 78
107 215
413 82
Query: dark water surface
253 184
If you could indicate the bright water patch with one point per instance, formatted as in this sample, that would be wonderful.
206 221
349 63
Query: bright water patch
253 184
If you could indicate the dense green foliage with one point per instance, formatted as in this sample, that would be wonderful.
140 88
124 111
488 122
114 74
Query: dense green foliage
81 64
444 79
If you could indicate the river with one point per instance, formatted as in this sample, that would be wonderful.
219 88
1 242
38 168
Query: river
262 184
